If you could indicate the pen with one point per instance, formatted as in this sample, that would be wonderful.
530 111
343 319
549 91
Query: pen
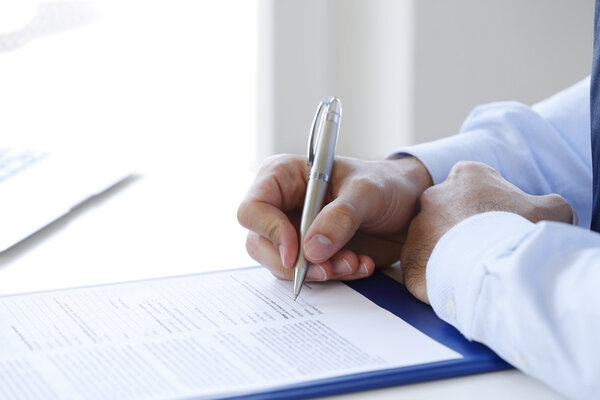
321 152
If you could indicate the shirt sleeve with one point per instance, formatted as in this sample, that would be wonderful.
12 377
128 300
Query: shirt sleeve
541 149
528 291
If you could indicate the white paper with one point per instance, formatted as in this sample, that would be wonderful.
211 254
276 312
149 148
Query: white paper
203 335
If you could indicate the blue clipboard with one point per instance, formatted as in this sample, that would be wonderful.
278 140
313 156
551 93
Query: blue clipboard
393 296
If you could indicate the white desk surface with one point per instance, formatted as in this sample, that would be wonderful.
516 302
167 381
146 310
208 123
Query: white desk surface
162 225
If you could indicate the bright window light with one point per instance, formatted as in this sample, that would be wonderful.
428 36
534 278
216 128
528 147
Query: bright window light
172 83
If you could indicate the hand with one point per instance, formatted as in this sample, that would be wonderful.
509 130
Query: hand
368 207
471 188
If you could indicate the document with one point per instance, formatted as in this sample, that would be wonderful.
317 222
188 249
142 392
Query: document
205 336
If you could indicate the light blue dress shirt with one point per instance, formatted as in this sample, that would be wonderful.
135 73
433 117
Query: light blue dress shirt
531 292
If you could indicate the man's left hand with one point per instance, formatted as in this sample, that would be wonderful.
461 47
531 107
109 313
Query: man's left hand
471 188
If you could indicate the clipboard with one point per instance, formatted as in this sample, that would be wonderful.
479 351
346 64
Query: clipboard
379 288
393 296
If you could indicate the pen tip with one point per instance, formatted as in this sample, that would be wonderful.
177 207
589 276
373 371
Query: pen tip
296 296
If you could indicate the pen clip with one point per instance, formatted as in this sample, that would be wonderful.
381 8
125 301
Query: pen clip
325 103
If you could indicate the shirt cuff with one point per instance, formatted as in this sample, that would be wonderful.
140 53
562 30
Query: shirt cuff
440 156
456 269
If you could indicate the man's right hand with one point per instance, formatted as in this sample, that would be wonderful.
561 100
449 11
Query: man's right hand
368 207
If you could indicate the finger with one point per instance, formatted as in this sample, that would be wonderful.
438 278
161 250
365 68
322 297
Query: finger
330 231
339 220
365 268
272 224
262 250
384 250
279 188
346 265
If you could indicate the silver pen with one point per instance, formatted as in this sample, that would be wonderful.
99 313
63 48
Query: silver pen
321 152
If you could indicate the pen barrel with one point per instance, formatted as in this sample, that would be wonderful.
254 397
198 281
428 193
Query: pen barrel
320 157
313 202
321 168
326 144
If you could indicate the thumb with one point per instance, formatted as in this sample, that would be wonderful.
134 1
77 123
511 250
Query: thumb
333 227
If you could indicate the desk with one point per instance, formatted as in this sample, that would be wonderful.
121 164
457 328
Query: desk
168 224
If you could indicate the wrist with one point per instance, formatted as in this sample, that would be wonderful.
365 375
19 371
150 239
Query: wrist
414 171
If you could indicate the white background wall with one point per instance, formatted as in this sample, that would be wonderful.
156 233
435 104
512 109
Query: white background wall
409 71
469 52
352 49
178 78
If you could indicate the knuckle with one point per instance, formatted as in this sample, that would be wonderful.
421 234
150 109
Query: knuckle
370 187
557 200
281 273
470 167
277 163
344 216
273 160
462 167
564 212
363 185
272 230
429 196
255 246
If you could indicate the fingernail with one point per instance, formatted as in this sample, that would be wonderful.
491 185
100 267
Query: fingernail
341 267
316 273
363 269
318 247
281 254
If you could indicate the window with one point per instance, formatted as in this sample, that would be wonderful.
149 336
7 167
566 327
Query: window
172 83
